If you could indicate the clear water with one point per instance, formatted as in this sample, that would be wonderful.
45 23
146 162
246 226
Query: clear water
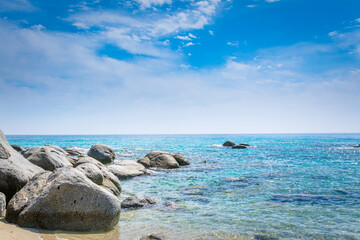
324 169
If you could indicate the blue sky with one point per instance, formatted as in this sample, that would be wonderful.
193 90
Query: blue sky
179 66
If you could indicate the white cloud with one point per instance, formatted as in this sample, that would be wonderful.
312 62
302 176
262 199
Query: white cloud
191 35
271 1
236 43
189 44
251 6
16 5
211 32
149 3
38 27
185 38
333 33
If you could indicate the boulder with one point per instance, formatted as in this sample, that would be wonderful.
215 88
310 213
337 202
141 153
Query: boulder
48 157
137 202
357 146
15 170
75 152
92 172
102 153
181 160
2 205
228 144
109 180
18 148
127 169
159 159
64 200
239 146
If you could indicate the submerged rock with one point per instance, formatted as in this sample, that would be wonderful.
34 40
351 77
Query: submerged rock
171 204
308 198
15 170
137 202
240 146
229 144
64 200
151 237
357 146
18 148
102 153
127 169
47 157
159 159
108 180
265 237
182 161
2 205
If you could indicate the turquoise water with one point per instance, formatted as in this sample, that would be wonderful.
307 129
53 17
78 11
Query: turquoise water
287 186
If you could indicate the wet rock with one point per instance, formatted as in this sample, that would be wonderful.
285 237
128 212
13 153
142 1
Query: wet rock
109 180
265 237
171 204
137 202
64 200
127 169
357 146
239 146
229 144
2 205
18 148
15 170
47 157
159 159
151 237
244 144
102 153
182 161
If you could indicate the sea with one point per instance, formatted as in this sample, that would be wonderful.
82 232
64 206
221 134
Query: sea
284 186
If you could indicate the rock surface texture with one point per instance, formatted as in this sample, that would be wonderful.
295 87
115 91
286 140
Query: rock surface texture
127 169
2 205
159 159
182 161
228 144
48 157
99 174
15 170
137 202
64 200
102 153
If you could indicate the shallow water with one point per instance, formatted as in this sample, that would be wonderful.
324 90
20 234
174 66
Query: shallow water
283 187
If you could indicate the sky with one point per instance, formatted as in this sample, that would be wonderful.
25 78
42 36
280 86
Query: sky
179 66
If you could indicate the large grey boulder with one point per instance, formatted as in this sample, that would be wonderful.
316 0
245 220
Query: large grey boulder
182 161
2 205
48 157
102 153
239 146
64 200
159 159
76 152
127 169
106 179
229 144
15 170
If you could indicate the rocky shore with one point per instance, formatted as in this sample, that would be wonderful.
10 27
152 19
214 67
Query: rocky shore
51 188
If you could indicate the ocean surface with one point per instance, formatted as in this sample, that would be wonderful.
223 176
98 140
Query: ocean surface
283 187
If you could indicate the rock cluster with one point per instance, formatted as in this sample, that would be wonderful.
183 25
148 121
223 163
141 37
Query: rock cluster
52 188
159 159
357 146
234 145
